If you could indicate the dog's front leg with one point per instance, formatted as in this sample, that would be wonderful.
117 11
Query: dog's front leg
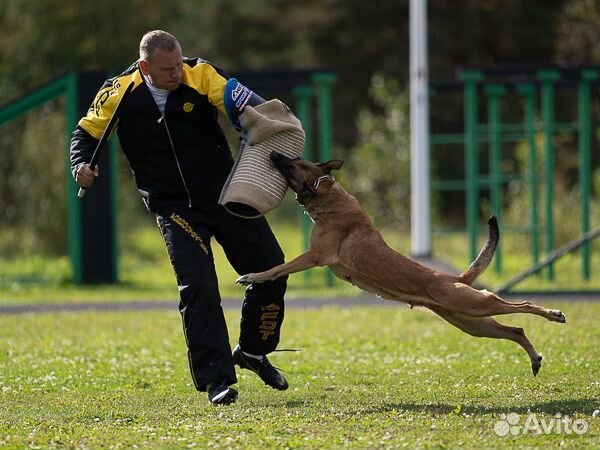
303 262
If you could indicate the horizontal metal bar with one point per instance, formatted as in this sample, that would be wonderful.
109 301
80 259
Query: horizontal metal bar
447 138
506 229
32 99
448 185
483 181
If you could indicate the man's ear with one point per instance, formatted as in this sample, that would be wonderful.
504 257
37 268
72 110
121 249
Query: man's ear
334 164
144 66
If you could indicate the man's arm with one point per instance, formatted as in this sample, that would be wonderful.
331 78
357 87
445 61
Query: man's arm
82 148
236 98
91 127
227 94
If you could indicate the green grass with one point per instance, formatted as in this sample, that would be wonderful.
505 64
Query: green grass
366 377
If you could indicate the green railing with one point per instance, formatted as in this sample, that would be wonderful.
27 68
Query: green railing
320 89
65 85
490 87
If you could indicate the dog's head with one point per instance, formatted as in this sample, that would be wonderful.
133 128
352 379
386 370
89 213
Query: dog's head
304 177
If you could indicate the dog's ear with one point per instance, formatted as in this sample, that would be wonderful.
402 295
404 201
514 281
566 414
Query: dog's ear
334 164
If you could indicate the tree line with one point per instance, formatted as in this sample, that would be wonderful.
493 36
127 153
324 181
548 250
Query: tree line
364 42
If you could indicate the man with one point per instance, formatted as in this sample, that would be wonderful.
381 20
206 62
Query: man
180 160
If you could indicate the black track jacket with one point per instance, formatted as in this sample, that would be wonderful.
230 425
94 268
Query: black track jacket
181 158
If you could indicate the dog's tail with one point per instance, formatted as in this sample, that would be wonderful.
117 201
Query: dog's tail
485 255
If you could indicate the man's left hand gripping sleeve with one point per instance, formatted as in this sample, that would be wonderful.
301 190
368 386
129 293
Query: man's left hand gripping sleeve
237 97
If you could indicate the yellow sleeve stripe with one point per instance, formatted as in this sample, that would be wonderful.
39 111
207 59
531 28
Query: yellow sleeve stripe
107 98
207 81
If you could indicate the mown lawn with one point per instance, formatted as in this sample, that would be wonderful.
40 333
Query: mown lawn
366 377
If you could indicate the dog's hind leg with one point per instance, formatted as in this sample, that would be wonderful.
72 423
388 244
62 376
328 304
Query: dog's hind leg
463 299
490 328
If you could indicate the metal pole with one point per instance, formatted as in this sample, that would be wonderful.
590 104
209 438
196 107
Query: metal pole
420 220
528 91
548 77
113 148
494 92
585 164
303 96
73 214
324 81
471 78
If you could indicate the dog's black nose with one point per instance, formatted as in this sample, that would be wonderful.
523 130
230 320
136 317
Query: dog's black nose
276 156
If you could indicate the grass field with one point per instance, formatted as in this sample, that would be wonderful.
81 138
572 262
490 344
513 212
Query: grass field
366 377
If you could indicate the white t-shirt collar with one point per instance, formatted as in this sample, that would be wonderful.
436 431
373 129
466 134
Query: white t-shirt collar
159 95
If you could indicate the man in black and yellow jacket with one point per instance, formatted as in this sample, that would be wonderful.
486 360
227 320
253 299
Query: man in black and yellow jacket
169 131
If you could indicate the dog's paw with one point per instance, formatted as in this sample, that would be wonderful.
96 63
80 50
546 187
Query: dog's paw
557 316
536 364
246 280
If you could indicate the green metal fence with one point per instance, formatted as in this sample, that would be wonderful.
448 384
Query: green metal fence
484 131
67 86
536 89
319 89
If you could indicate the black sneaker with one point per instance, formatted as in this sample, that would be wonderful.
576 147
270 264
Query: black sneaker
221 394
262 367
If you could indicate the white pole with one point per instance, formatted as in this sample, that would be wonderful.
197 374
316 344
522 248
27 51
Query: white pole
419 131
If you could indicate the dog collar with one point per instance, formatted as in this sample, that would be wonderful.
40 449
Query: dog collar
323 178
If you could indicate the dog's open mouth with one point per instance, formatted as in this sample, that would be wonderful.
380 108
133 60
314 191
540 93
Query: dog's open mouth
286 168
279 160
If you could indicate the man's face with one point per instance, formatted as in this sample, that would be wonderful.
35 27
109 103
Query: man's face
164 68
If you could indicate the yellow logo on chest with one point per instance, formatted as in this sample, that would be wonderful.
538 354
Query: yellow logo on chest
188 106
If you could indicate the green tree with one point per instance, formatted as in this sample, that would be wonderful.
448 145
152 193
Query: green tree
42 40
378 167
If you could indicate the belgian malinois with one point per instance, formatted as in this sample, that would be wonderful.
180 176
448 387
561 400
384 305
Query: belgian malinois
345 240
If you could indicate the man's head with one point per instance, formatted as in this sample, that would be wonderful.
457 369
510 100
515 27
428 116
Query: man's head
161 59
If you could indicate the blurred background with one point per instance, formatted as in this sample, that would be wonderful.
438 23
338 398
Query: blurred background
366 45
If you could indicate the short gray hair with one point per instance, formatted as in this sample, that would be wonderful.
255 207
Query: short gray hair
154 40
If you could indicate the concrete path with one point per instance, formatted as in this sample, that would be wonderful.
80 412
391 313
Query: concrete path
301 303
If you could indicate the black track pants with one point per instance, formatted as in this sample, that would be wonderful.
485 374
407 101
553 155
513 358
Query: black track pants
250 246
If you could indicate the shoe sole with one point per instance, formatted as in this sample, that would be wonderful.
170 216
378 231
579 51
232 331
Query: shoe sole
239 360
225 398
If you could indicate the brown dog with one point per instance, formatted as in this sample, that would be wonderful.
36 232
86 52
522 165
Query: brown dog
345 240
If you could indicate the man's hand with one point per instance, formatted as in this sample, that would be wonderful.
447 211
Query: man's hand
85 176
